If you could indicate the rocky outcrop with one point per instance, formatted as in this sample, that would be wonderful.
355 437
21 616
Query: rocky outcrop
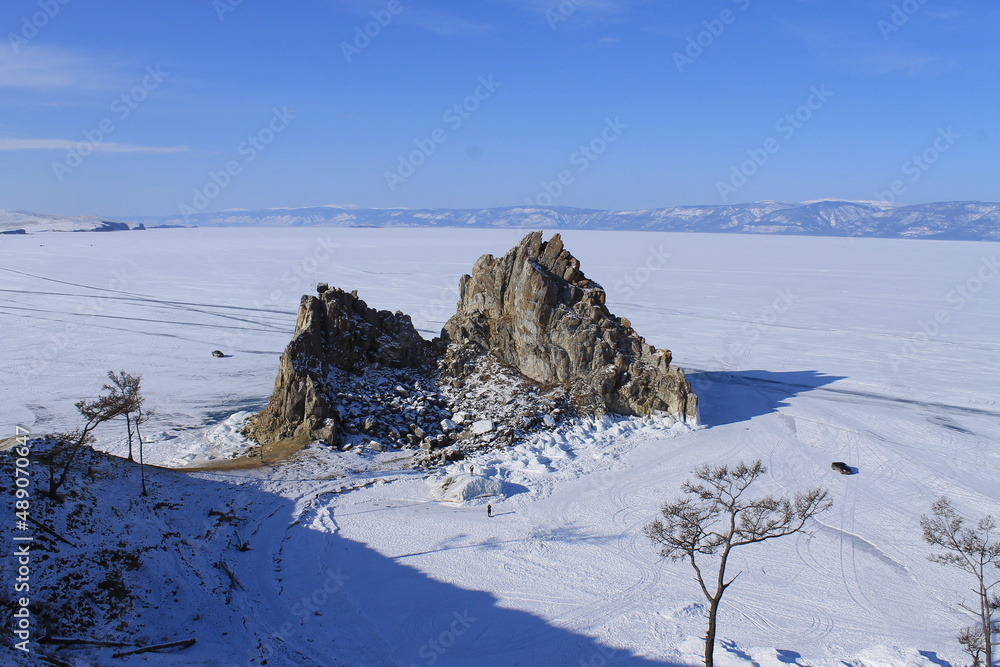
535 311
335 331
532 342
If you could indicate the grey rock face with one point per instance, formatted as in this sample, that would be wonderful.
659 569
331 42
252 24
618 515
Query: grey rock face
531 343
335 331
534 310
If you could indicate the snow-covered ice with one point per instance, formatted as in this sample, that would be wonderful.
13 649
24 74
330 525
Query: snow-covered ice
880 353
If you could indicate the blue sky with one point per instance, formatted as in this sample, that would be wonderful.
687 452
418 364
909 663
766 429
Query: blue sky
120 109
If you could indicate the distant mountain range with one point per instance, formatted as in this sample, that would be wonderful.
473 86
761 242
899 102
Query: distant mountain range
964 220
12 222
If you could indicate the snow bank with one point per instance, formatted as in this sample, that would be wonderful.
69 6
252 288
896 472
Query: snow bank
577 447
885 656
460 488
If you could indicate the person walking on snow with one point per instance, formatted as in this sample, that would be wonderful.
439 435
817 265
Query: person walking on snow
489 511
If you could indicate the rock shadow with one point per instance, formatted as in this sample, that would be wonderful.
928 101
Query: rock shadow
728 397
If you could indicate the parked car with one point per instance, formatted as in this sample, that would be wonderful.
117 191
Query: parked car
842 468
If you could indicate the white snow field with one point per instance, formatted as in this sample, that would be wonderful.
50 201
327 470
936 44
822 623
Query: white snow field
884 354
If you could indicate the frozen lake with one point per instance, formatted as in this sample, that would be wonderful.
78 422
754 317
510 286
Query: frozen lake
881 353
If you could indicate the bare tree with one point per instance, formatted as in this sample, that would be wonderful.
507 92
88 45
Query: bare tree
972 642
95 413
125 389
713 518
976 551
141 417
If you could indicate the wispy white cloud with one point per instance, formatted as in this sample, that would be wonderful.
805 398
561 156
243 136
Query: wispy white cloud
66 144
602 43
944 14
583 5
897 62
580 14
442 23
869 55
44 67
426 18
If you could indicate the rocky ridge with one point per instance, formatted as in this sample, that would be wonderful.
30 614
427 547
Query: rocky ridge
531 343
535 311
336 337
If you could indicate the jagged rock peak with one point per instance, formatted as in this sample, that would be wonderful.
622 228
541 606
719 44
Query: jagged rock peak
535 311
531 342
335 331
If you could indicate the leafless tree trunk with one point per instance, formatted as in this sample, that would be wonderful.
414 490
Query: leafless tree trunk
125 390
713 517
976 551
141 416
95 413
128 425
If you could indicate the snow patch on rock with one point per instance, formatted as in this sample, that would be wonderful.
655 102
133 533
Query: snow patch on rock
482 426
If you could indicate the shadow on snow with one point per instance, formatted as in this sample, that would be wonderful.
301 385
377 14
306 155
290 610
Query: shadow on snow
727 397
381 610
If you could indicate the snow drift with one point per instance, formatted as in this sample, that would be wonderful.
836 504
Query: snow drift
461 488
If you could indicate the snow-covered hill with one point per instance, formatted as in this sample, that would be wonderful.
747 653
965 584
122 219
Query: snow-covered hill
10 221
965 221
971 221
